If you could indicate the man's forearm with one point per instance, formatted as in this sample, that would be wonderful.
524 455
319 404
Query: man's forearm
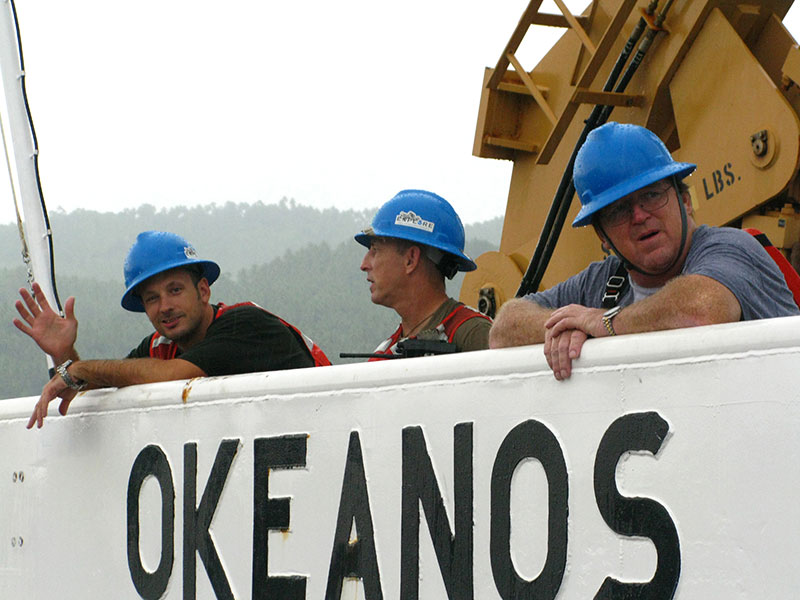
132 371
686 301
520 322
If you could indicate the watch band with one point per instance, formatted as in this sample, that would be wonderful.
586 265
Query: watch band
73 384
608 316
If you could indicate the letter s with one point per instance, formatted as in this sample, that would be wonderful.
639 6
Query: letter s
636 516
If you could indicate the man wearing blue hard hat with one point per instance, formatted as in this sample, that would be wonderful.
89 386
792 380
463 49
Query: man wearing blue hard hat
165 279
416 241
665 271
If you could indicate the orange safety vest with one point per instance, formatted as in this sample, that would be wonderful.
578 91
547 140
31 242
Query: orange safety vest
165 349
447 329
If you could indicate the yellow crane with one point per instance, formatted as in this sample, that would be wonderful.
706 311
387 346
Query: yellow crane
717 82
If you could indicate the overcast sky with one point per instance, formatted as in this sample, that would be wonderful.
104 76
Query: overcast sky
330 103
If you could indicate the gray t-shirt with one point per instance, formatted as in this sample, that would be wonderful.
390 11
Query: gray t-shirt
730 256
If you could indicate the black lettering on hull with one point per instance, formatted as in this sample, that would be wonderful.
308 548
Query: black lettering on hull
530 439
272 514
359 558
641 517
151 461
453 550
196 521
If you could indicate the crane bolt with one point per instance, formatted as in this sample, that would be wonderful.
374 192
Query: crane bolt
758 141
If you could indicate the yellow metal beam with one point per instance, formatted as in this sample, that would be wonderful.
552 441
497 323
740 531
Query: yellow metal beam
584 96
513 43
512 144
519 88
791 66
533 89
609 37
576 27
550 20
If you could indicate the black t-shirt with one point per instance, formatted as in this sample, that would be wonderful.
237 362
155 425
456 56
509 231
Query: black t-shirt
244 339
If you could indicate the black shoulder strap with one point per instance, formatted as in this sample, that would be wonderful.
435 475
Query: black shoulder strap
616 286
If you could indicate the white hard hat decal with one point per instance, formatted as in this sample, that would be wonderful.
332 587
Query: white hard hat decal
410 219
189 252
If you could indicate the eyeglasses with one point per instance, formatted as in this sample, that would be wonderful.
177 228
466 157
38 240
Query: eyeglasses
621 212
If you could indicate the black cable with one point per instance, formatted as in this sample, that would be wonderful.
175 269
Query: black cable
603 114
36 158
647 41
559 209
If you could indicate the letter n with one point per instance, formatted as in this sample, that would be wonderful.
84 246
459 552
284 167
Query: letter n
453 551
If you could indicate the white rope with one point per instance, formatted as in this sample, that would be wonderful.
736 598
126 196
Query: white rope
25 254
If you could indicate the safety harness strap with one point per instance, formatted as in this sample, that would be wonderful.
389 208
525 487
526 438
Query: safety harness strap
446 329
616 286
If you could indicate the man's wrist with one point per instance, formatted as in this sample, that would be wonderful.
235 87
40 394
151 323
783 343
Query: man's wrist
608 318
72 383
68 354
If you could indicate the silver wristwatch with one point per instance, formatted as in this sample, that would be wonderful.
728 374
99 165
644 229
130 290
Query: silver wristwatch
73 384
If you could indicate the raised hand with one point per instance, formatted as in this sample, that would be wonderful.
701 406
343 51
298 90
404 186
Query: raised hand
54 334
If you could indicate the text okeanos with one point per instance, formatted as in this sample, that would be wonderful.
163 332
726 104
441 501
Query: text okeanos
420 493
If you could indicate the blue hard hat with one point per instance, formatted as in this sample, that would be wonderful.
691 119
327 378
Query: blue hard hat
618 159
422 217
155 252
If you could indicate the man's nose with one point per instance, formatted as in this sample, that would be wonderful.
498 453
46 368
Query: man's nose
165 304
365 266
638 214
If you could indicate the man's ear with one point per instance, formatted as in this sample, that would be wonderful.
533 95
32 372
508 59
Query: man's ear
412 258
603 240
687 202
204 289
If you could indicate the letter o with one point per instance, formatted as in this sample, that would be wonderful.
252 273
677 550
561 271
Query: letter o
151 461
530 439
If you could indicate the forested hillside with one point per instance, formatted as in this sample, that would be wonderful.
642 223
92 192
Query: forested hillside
296 261
236 235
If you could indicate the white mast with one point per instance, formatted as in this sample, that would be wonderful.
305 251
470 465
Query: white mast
21 155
